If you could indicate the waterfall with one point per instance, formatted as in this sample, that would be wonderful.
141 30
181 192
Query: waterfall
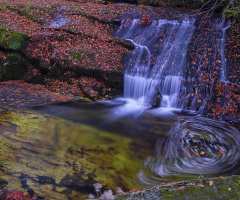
170 90
206 64
183 63
160 63
221 47
158 60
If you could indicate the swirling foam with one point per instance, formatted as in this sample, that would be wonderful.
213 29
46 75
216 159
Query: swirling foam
194 146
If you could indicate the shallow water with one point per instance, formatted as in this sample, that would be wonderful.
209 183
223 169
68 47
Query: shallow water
60 151
196 145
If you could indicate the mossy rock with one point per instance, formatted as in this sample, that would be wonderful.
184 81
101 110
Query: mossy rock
13 46
16 67
211 188
10 39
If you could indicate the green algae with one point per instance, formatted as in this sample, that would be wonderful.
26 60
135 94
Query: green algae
53 155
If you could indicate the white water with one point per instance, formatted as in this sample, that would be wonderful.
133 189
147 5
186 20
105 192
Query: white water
221 46
158 64
167 40
59 21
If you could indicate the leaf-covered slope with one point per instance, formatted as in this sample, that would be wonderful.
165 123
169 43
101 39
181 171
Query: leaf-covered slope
70 45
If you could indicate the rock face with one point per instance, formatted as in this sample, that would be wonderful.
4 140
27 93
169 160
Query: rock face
63 46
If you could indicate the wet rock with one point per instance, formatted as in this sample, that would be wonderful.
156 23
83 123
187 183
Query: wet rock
222 187
125 43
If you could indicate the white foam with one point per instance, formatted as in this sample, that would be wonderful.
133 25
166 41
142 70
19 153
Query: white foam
133 108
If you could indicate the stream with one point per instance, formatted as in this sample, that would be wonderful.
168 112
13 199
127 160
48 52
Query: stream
155 133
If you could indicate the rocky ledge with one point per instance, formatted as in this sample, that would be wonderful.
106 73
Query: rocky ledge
208 188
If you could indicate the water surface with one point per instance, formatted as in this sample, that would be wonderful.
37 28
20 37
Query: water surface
61 151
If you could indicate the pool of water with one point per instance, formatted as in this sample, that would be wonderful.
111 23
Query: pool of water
61 151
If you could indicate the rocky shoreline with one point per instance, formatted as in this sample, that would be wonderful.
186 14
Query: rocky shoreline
206 188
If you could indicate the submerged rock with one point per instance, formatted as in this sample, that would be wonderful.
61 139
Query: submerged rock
59 159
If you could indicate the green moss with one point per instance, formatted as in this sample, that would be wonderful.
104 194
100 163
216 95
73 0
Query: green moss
15 65
2 7
14 45
233 13
11 39
78 55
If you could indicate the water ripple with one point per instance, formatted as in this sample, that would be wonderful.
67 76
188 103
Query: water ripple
194 146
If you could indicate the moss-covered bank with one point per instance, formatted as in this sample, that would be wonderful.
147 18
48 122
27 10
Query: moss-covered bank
215 188
13 63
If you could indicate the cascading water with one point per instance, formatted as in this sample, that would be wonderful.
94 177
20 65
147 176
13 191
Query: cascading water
59 19
221 47
158 60
170 90
169 61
